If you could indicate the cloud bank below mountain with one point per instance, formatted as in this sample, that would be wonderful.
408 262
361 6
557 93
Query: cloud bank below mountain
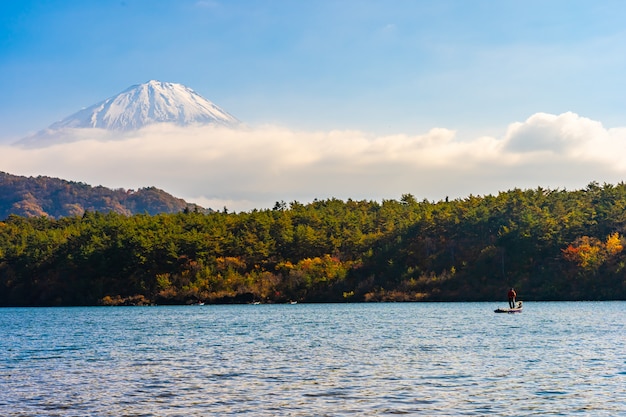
248 168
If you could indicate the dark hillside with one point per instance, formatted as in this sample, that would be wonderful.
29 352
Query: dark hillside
56 198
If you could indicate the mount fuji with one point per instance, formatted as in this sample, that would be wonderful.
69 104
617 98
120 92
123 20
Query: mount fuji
137 107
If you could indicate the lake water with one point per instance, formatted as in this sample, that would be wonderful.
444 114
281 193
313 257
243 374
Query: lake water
430 359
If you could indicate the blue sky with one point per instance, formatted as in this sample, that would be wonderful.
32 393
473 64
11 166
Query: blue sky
381 68
398 66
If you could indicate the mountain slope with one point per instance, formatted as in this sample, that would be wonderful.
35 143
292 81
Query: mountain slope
53 197
139 106
145 104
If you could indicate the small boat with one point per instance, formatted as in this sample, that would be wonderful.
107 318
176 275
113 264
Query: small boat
517 309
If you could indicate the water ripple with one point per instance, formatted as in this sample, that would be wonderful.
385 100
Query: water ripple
323 360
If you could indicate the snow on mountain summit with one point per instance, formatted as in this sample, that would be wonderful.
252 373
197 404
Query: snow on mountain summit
136 107
145 104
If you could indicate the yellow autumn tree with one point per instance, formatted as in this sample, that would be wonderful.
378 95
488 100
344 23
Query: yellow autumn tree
590 252
613 244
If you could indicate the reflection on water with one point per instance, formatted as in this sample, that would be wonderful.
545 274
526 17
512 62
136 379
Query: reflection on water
303 360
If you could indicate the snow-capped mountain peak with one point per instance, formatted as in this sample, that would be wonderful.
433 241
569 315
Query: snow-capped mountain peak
134 108
145 104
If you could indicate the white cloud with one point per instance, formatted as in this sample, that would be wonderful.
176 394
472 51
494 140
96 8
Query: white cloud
565 133
255 167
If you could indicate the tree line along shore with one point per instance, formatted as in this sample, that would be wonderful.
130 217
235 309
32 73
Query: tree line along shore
548 244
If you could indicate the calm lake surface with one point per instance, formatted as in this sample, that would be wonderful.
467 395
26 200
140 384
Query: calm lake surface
430 359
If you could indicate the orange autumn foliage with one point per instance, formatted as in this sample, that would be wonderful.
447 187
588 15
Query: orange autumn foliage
589 252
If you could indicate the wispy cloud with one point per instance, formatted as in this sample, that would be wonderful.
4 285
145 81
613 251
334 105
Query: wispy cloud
251 168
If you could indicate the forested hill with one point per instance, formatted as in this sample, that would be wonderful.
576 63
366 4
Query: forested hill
53 197
548 244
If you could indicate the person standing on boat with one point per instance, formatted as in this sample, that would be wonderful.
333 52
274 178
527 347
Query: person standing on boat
512 296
